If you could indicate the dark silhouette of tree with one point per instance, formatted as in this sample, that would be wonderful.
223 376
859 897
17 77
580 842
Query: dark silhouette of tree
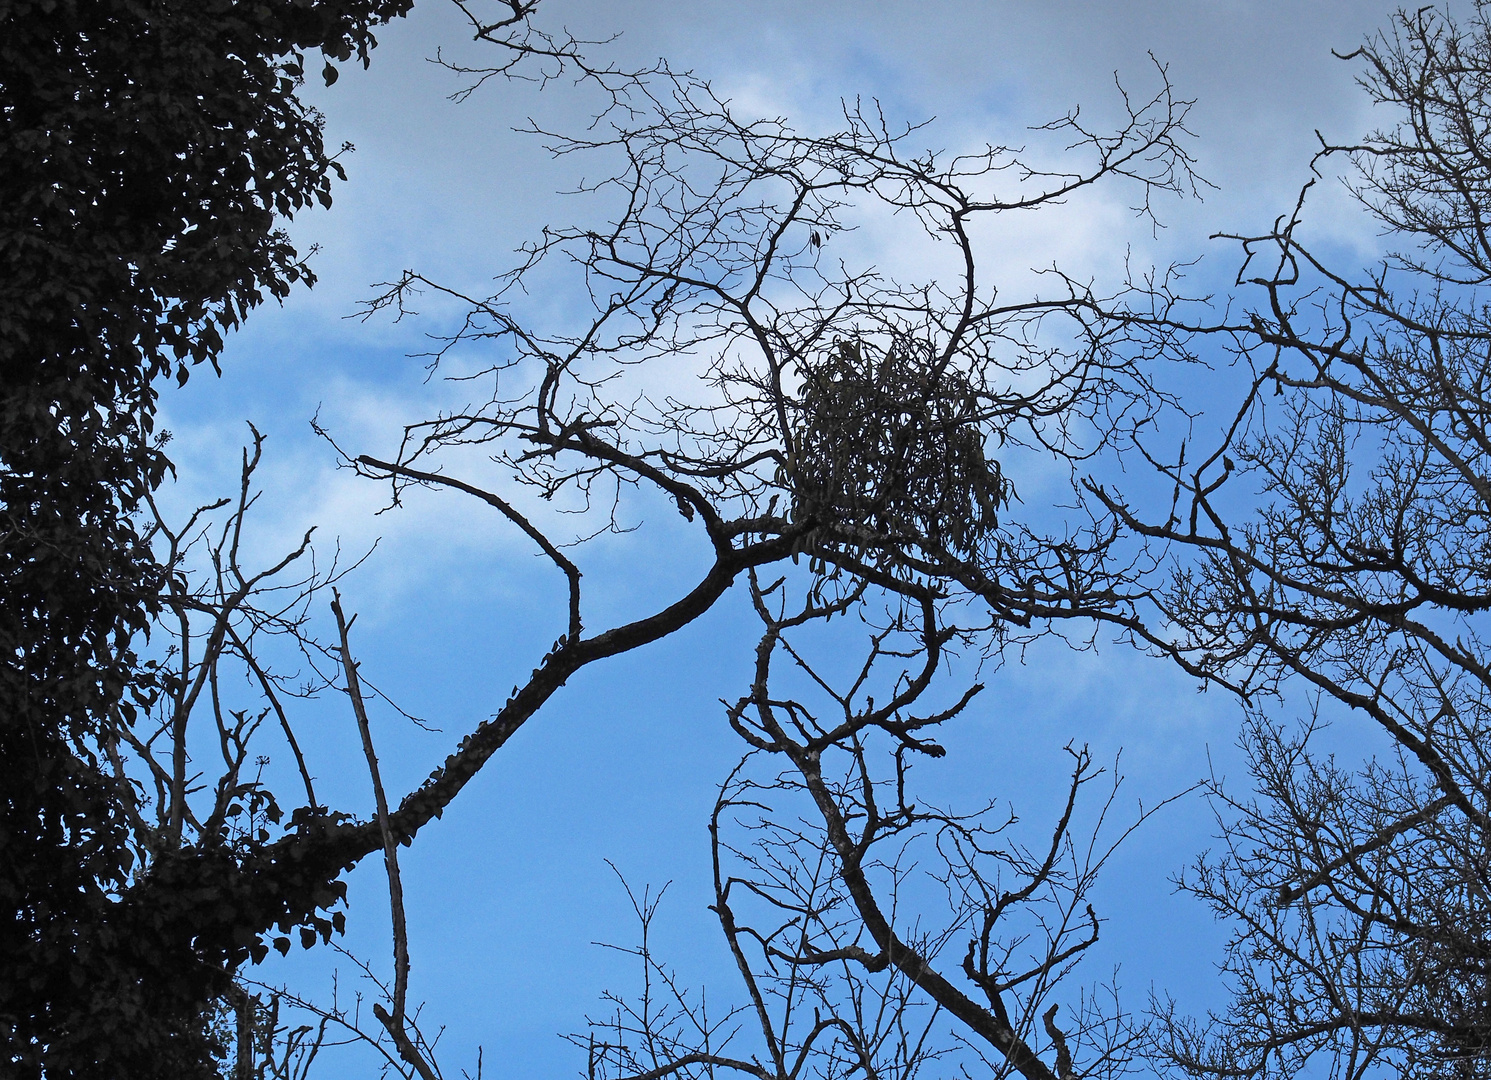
875 933
151 153
1335 537
841 428
1359 896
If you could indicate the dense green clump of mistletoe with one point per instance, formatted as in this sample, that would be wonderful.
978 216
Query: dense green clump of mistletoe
895 447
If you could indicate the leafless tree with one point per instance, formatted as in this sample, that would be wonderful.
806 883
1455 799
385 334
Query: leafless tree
236 657
1358 895
240 659
797 408
797 411
1358 903
804 408
875 934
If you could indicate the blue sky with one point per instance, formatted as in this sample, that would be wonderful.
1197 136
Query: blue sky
507 893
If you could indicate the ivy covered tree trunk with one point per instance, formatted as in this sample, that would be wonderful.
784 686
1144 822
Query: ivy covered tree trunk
147 150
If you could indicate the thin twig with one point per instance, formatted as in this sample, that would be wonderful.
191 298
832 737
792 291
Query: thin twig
393 1022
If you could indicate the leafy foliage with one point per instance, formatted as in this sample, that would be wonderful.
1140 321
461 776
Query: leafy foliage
895 446
148 149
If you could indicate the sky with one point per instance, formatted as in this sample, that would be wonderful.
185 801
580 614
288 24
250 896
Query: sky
508 892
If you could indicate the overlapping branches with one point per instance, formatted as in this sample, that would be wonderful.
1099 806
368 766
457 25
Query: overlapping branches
788 403
735 367
1336 535
875 934
1358 904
